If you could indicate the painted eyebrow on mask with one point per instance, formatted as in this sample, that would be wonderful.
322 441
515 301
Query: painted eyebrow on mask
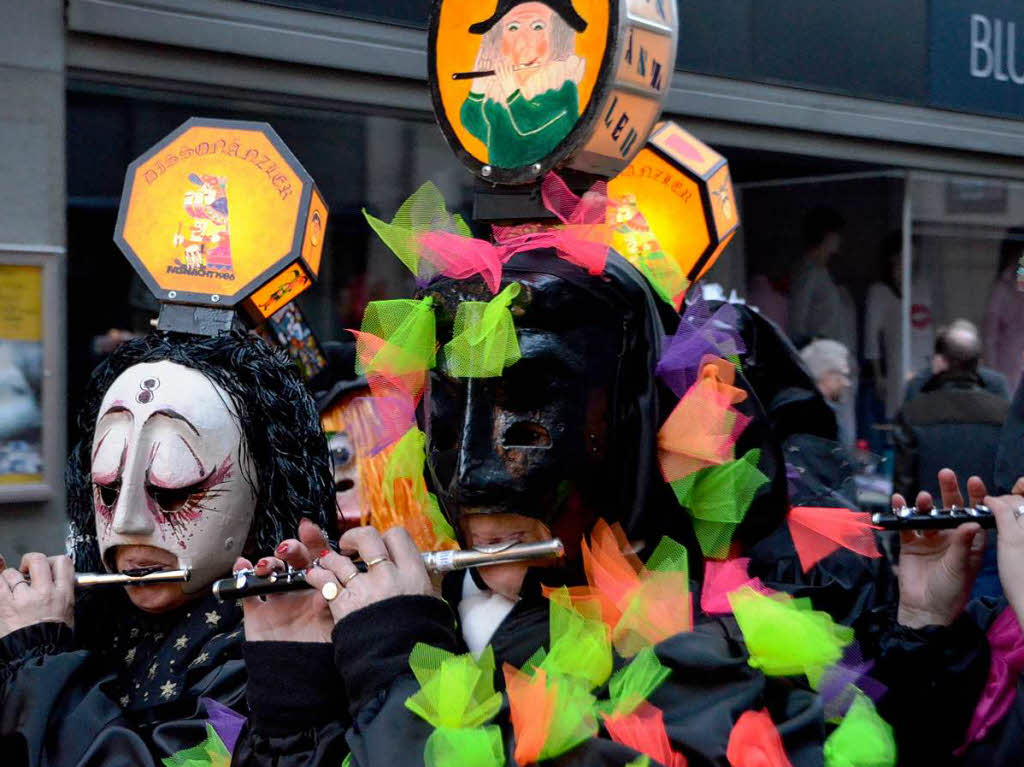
175 415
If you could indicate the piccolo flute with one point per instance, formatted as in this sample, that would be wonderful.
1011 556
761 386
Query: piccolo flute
93 580
246 583
490 72
906 518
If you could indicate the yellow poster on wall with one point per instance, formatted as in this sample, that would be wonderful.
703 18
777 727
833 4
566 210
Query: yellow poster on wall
21 366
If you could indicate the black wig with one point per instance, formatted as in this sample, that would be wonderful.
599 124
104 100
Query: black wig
281 433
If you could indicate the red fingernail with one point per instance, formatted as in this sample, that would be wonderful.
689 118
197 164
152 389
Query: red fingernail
261 563
282 548
324 553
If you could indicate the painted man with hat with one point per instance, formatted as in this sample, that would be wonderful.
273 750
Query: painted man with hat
531 102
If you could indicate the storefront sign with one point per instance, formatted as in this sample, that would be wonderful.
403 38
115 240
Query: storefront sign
977 55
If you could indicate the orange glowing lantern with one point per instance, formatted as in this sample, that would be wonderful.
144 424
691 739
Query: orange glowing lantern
674 210
218 215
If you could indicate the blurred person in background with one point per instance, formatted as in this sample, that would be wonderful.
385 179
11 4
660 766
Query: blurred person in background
1004 315
953 423
815 309
829 365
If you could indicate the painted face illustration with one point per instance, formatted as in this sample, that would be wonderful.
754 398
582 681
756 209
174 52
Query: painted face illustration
526 35
170 479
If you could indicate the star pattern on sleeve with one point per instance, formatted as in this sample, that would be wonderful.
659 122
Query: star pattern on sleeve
212 618
167 689
201 658
181 642
129 657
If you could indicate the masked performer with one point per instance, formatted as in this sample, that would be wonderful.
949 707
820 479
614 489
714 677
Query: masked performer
193 451
531 101
956 670
559 438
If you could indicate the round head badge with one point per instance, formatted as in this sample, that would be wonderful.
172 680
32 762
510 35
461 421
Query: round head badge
537 84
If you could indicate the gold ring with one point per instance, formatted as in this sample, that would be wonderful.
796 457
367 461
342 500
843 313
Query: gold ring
347 578
377 561
330 591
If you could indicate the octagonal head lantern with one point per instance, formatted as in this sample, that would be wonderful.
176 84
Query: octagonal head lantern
680 192
221 215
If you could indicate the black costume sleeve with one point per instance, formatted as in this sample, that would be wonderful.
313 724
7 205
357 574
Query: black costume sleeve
710 686
935 677
297 711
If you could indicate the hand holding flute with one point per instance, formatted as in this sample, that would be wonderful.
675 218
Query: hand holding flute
41 590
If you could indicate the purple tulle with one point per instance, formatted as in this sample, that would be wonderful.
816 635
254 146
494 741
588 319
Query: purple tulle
841 682
226 723
700 333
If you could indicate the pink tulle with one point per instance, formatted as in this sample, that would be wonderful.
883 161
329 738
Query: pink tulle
395 414
721 579
817 532
592 208
1007 645
459 257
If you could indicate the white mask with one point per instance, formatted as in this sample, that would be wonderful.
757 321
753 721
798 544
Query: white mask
167 470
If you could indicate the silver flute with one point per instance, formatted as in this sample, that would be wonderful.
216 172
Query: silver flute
906 518
246 583
93 580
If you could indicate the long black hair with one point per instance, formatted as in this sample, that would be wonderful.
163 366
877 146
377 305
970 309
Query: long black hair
281 434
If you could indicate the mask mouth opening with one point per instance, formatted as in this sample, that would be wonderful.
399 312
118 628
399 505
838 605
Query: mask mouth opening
344 485
139 560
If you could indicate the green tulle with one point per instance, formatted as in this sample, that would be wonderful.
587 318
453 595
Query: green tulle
633 684
573 721
406 462
210 753
407 327
669 556
787 636
484 339
665 275
442 529
641 761
472 747
863 739
423 211
718 498
580 645
456 691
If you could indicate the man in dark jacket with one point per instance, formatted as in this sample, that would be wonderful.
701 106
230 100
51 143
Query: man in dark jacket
954 422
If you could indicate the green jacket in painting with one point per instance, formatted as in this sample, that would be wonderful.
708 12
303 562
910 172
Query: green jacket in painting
525 130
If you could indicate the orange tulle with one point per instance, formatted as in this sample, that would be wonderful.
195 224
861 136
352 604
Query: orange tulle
644 731
817 532
531 709
640 605
754 742
703 428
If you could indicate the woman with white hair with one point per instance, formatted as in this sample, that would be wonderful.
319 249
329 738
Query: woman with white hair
531 102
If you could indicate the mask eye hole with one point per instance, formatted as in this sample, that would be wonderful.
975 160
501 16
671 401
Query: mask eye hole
526 434
109 493
170 499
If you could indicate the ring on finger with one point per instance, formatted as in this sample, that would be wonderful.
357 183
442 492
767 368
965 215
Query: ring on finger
349 577
330 590
19 583
377 561
1018 512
